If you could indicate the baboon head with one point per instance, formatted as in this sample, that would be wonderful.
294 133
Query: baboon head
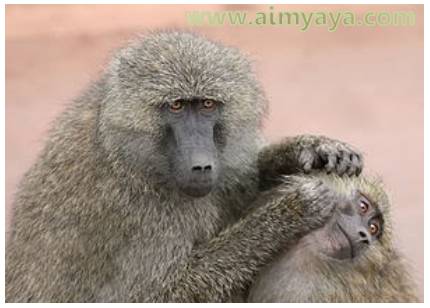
181 110
360 228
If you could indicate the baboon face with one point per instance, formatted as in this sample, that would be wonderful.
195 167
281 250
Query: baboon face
356 225
183 112
191 143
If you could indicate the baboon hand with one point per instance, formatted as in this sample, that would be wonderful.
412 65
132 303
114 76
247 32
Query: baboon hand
312 199
333 156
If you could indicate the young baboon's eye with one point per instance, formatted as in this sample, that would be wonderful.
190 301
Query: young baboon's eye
209 104
373 228
176 106
364 206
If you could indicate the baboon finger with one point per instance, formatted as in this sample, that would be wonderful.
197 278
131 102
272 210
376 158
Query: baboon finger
342 163
331 163
306 159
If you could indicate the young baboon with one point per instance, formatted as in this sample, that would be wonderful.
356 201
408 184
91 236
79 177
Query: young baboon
141 189
350 259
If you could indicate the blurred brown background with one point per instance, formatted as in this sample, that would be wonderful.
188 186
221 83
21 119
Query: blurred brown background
362 85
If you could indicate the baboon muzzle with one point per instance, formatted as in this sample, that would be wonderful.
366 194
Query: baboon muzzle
197 161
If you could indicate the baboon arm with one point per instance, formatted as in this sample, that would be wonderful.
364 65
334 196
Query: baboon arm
278 158
305 153
227 264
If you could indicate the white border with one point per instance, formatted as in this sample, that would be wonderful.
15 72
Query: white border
219 2
426 109
3 156
426 152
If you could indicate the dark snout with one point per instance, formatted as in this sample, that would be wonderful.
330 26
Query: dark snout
196 161
200 171
354 227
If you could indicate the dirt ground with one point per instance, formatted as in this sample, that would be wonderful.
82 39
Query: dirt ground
361 85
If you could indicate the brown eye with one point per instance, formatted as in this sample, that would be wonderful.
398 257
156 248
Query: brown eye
373 229
209 104
364 207
176 106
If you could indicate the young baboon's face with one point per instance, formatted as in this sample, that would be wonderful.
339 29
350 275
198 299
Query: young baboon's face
357 224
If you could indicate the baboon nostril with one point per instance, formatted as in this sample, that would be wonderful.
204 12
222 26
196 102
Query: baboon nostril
196 168
200 169
363 237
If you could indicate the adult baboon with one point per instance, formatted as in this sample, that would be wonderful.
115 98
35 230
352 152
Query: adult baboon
140 191
350 259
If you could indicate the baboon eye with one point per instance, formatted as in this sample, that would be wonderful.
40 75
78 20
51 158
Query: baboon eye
373 228
209 104
364 206
176 106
